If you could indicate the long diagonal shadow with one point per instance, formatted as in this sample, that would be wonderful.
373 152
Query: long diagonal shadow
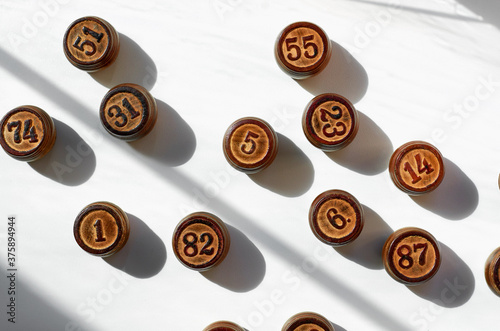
330 283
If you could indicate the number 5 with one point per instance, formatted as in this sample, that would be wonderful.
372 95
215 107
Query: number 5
248 139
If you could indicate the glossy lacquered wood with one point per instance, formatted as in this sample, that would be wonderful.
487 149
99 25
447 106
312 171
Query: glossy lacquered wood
201 241
101 228
128 112
28 133
330 122
416 168
90 43
492 271
250 144
223 326
411 256
336 217
302 50
307 321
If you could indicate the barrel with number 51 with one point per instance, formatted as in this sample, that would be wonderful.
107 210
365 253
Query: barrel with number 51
90 43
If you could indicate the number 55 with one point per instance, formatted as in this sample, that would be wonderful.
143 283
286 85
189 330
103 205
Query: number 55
306 43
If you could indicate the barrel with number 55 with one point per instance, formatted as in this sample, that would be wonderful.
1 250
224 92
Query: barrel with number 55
90 43
250 145
27 133
411 256
302 50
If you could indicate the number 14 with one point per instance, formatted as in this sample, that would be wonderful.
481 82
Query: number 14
422 166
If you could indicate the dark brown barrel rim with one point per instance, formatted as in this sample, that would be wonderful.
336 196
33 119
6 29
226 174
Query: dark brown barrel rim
324 54
491 271
213 224
299 319
79 220
271 136
125 88
404 149
330 195
5 119
320 99
97 20
397 239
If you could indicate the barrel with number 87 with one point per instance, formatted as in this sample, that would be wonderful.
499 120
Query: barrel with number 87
411 256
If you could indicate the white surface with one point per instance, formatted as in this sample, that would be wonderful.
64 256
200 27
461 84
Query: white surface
404 64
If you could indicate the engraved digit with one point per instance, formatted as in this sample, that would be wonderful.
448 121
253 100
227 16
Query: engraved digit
119 114
405 257
131 110
336 217
324 117
98 231
30 131
190 244
427 167
204 249
248 139
289 48
97 36
85 43
309 44
421 258
17 135
415 178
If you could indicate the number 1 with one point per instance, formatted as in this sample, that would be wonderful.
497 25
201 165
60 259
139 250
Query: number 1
98 231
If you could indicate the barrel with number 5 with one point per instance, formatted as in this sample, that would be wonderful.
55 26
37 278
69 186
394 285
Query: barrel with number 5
201 241
411 256
250 145
302 50
90 43
27 133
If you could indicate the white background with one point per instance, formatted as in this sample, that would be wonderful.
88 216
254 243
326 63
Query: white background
426 70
